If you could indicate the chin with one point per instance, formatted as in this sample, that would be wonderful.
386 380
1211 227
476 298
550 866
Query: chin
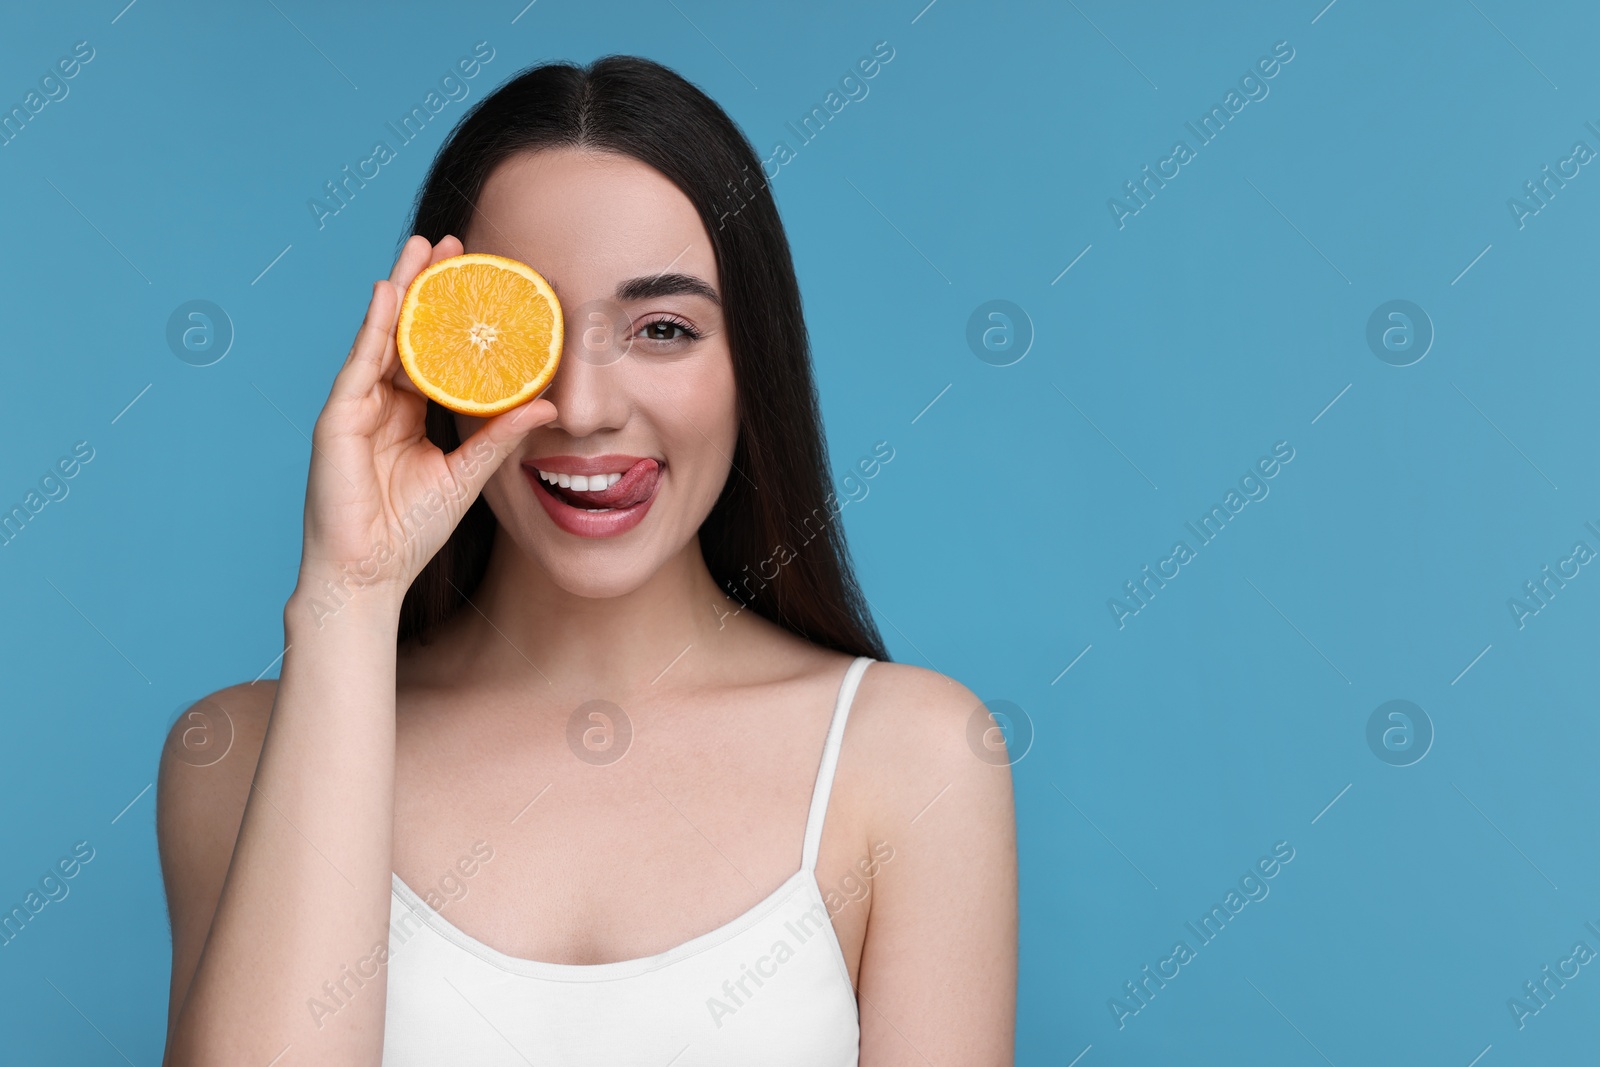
596 575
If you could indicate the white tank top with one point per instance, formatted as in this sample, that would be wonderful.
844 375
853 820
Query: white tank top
770 987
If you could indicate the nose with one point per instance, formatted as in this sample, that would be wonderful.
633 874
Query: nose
587 390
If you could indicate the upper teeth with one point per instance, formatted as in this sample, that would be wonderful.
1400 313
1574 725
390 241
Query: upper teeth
588 483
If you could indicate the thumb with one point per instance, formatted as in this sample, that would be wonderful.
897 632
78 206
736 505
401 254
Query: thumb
474 463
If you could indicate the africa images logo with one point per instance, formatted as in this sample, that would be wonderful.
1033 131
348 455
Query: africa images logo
1252 87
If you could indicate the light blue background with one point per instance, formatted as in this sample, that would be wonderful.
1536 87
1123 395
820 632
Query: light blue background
1224 317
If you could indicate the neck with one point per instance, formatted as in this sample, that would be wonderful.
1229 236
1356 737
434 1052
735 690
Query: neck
576 642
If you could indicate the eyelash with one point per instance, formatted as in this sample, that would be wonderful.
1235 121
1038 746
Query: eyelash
689 332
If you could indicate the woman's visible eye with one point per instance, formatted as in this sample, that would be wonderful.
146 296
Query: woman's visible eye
662 331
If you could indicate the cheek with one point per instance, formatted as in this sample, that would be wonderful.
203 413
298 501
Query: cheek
505 485
717 396
705 420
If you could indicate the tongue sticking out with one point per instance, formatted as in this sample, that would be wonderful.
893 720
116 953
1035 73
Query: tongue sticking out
634 486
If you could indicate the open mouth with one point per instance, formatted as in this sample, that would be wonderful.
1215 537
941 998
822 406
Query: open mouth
597 505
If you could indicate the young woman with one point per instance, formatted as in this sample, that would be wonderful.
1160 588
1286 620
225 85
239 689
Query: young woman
533 787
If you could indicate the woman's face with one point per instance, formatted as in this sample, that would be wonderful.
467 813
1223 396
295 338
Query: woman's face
647 413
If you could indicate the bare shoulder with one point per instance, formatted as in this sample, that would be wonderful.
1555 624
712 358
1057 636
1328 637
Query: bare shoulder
208 761
921 739
937 780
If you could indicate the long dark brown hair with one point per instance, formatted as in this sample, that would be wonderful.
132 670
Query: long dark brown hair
775 512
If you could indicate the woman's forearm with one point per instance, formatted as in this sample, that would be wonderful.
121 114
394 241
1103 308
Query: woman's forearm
307 893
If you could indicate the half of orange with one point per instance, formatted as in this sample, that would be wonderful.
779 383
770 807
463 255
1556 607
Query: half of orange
480 333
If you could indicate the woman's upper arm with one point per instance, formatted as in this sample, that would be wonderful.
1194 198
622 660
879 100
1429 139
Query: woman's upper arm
937 981
207 765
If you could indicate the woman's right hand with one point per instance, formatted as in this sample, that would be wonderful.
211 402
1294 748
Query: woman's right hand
381 498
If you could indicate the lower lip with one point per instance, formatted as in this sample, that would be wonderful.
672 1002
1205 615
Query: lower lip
582 523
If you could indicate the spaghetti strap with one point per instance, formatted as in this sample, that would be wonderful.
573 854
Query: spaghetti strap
830 761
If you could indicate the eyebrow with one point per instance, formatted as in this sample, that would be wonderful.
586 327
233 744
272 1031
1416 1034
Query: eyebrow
654 285
666 285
